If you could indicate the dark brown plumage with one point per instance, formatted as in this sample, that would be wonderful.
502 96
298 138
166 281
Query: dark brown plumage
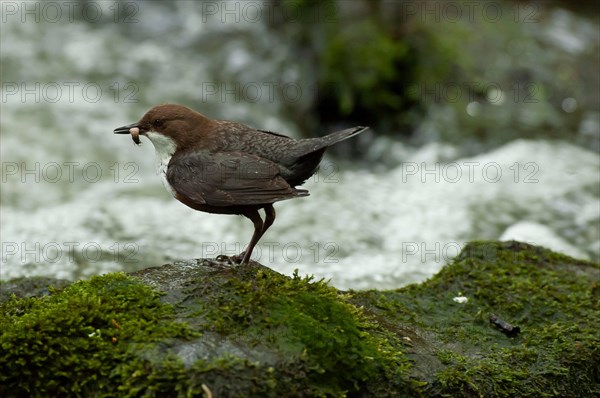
224 167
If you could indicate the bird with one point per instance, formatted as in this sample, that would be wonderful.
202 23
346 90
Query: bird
225 167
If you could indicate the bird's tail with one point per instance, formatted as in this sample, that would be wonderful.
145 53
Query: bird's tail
313 144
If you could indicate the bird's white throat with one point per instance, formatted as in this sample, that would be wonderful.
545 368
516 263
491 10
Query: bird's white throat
164 147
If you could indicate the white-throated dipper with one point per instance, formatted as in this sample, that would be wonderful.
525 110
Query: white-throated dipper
223 167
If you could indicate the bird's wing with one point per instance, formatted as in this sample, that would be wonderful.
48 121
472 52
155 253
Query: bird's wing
229 178
274 133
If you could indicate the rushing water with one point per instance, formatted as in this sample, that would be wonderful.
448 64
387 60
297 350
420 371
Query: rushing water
79 201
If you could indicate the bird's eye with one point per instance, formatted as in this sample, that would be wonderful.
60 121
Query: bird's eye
158 123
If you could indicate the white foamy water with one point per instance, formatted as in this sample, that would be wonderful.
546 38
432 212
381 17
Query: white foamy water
78 201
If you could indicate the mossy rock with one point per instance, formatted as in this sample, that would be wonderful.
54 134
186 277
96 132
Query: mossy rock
553 299
202 328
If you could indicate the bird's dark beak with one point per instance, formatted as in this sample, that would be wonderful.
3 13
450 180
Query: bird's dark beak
133 129
125 129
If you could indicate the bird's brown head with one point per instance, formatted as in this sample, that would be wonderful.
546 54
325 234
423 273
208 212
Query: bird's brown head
167 125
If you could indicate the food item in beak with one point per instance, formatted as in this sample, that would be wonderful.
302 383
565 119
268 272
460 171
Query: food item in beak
135 135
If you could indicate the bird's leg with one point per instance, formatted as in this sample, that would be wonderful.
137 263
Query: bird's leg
254 216
269 218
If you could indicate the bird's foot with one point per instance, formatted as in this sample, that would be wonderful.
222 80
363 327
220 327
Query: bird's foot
238 258
227 260
219 262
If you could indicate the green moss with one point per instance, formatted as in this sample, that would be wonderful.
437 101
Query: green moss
71 342
334 348
256 333
554 299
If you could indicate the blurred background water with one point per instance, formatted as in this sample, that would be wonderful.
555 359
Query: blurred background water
484 116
